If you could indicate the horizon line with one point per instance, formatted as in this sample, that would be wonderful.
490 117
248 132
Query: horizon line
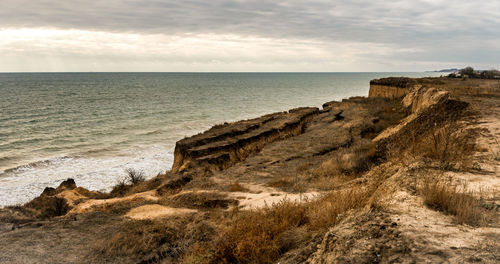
218 71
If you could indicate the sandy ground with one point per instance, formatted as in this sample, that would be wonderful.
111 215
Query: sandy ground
260 196
90 205
152 211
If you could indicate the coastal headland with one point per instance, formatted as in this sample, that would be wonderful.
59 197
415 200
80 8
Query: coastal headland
408 174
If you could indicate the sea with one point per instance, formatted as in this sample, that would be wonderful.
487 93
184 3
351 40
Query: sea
92 127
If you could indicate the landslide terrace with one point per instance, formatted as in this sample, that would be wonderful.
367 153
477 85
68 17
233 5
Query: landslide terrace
409 174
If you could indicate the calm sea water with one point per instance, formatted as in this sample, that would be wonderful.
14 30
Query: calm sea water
93 126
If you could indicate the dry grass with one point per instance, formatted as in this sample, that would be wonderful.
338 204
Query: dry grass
292 183
328 183
339 167
254 236
202 200
236 187
155 241
263 235
49 206
450 145
453 199
135 176
328 210
348 161
134 184
139 238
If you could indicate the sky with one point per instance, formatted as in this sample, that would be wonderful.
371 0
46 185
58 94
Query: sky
241 35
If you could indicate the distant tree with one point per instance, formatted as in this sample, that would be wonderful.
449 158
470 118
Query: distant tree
491 74
468 71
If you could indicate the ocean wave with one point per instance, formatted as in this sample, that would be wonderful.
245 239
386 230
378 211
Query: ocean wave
96 151
36 164
25 141
152 132
8 158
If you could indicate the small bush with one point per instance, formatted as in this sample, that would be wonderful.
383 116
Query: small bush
135 176
120 189
452 199
133 182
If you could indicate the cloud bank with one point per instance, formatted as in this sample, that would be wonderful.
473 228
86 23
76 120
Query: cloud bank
260 35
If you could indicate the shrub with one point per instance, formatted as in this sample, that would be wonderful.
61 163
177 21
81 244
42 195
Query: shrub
120 189
490 74
468 71
133 182
403 82
135 176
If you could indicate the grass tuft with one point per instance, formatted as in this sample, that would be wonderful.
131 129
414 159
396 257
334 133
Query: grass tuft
453 199
449 145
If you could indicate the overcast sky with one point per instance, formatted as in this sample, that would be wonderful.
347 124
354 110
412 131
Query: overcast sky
240 35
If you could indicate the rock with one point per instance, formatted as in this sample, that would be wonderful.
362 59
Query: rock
68 184
49 191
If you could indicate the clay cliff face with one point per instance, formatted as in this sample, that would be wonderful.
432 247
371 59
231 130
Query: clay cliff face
223 145
390 92
391 88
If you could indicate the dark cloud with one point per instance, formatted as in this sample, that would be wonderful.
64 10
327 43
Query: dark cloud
378 21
